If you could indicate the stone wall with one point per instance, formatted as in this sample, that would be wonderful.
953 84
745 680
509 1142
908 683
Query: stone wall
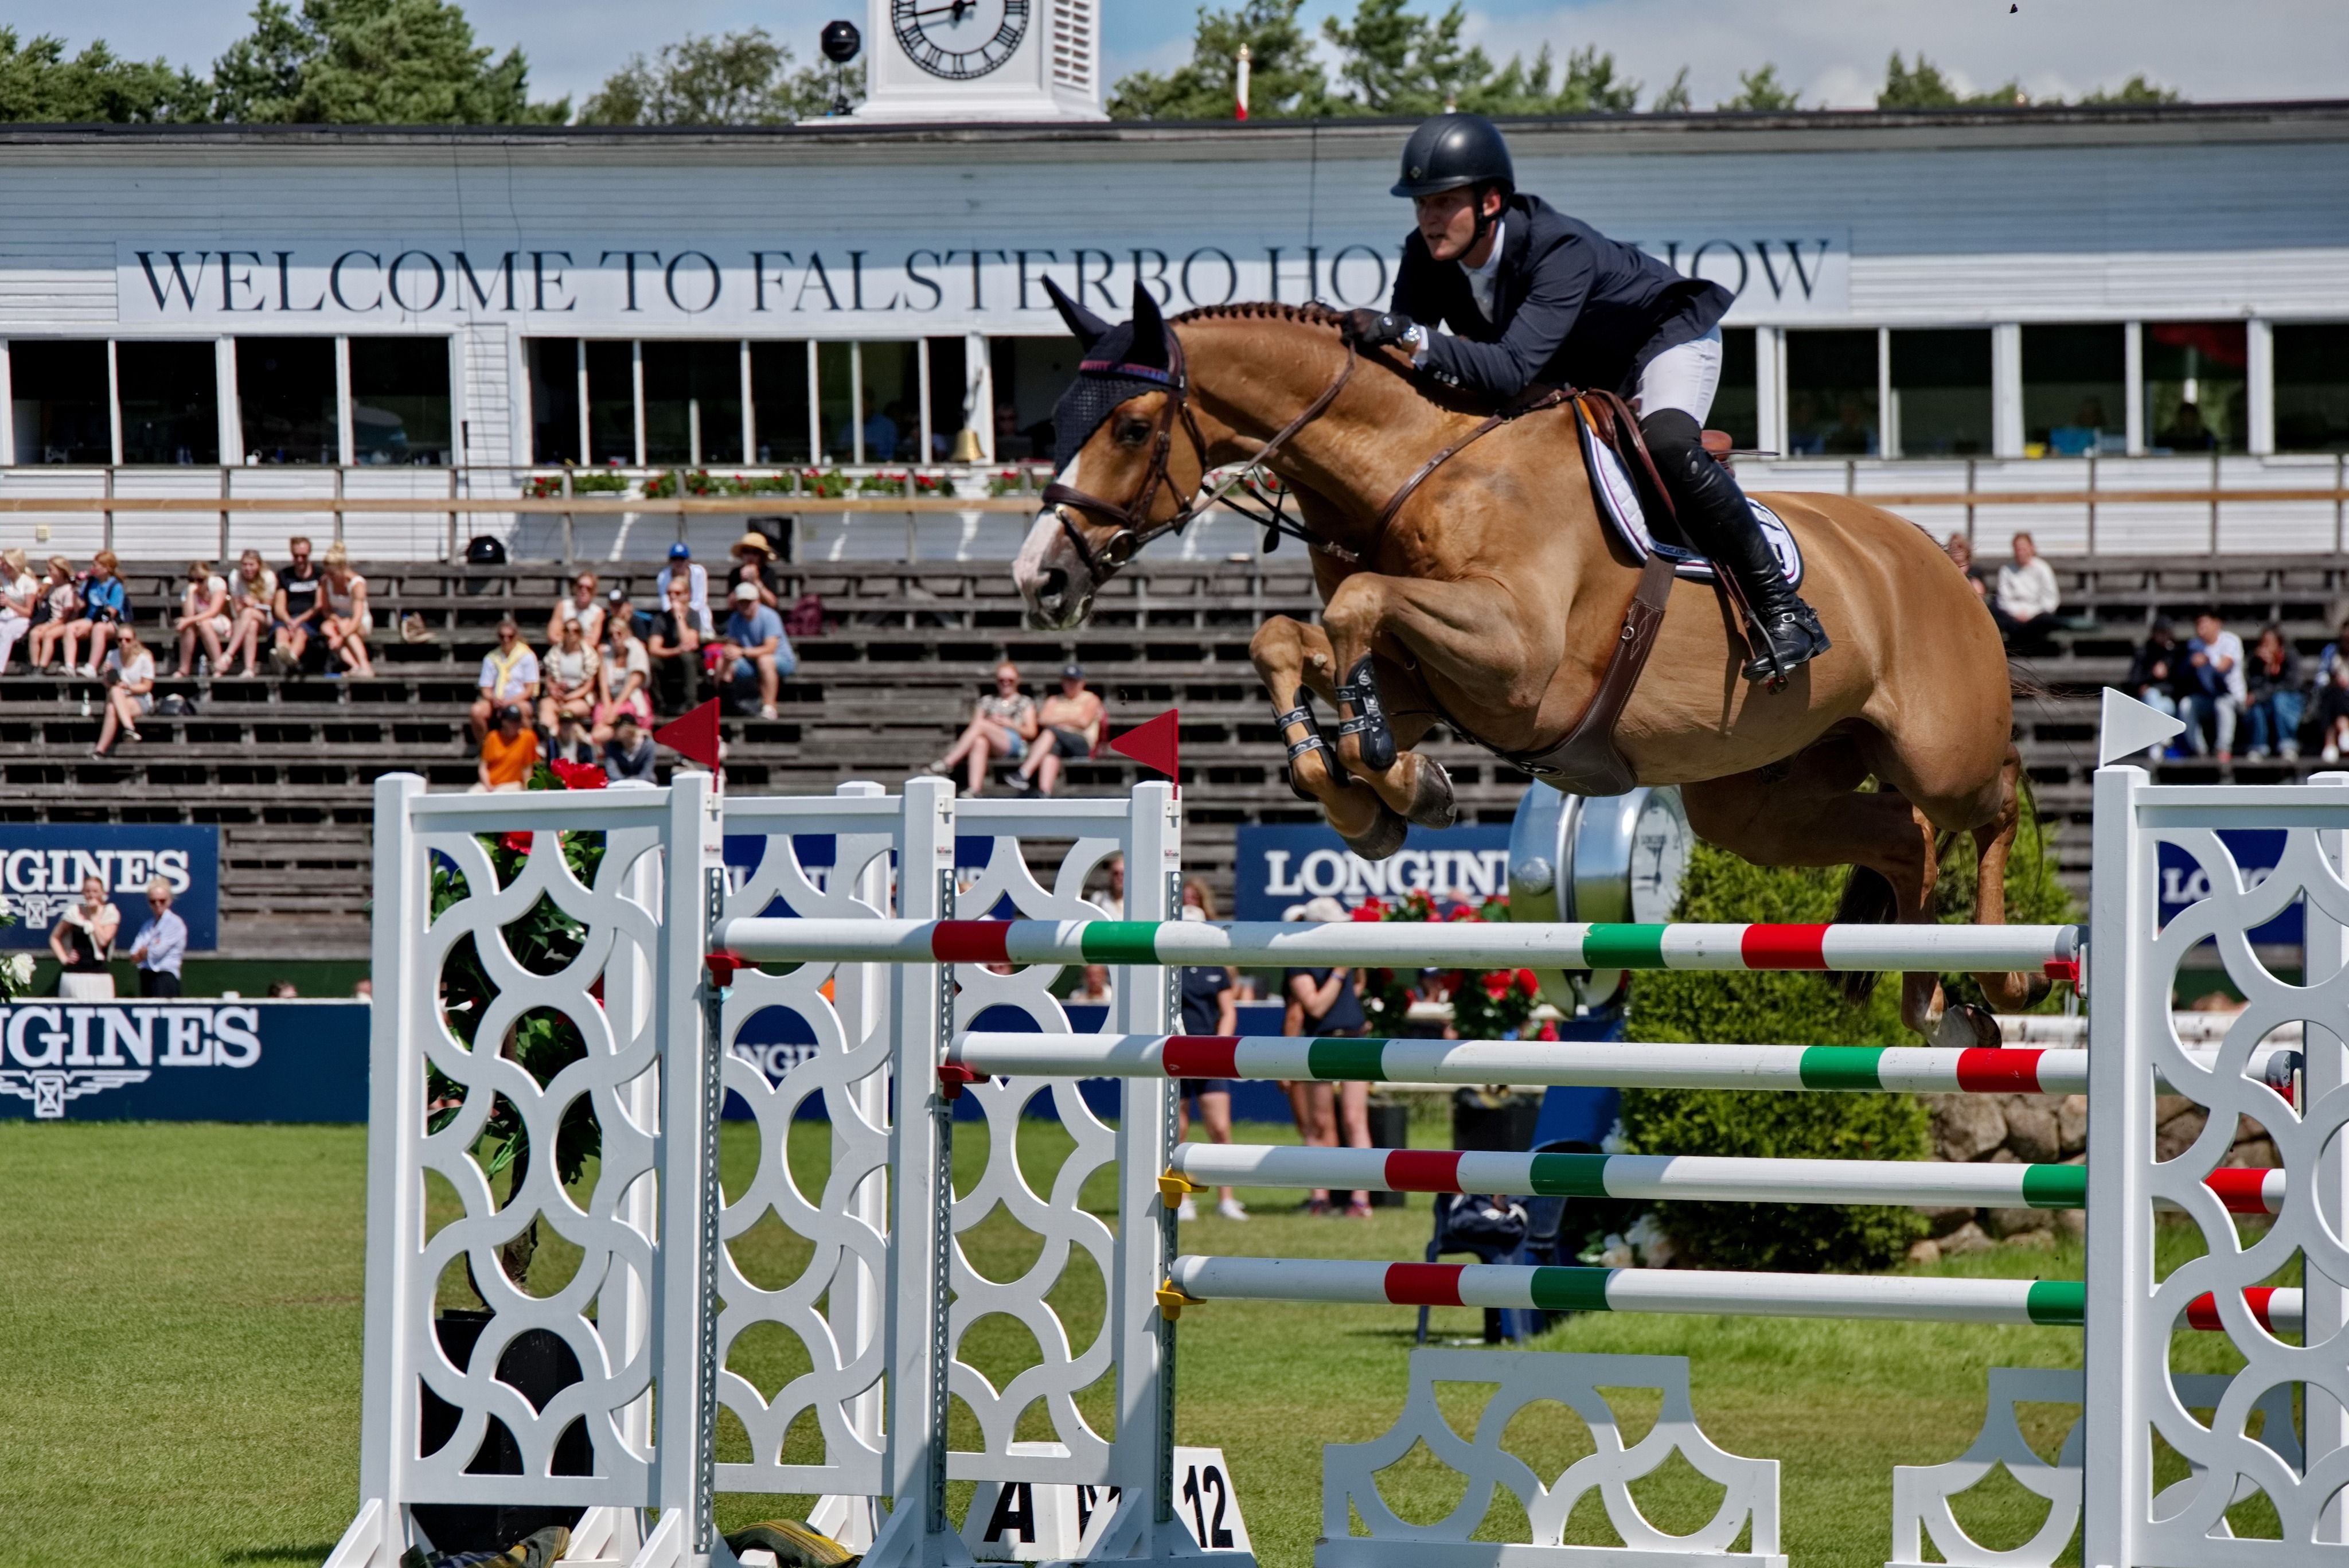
2034 1129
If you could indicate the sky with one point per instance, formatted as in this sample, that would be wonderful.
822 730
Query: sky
1834 50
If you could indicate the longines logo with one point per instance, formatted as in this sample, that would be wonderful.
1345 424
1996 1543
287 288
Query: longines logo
50 1053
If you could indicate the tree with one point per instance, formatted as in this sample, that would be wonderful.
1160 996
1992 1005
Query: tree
1399 62
1590 86
1762 90
2137 90
1674 99
1924 86
372 62
1285 81
39 84
740 78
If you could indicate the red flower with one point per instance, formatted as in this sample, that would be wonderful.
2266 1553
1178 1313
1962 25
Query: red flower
1497 984
1369 910
1528 983
1548 1032
517 842
577 776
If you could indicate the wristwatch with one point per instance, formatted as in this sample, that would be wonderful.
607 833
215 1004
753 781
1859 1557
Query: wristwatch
1416 341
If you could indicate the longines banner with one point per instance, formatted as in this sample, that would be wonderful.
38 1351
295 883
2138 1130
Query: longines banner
1276 869
196 1061
815 286
42 868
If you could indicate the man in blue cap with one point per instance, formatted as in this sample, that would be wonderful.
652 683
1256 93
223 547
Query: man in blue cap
680 558
1533 296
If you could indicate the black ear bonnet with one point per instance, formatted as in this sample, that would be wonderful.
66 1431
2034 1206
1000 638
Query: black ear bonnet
1121 363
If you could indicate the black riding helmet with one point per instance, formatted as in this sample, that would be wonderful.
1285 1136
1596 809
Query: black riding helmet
1451 150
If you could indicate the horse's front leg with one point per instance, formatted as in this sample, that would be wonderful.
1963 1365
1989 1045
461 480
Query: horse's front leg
1294 658
1384 632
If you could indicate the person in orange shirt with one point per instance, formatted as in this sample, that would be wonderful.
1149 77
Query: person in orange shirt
508 754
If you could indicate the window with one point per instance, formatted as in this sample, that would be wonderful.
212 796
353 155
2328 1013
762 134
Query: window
1831 393
285 399
553 365
170 402
693 402
400 401
779 402
611 403
1736 407
2074 387
835 378
891 417
949 394
1941 394
2312 388
61 412
1031 373
2196 386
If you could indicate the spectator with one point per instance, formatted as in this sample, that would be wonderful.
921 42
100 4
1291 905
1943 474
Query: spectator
1001 726
252 600
2211 684
2027 596
2153 674
348 620
20 596
83 941
628 678
509 753
2276 697
1210 1006
581 607
161 943
280 989
572 743
509 675
681 567
204 615
674 644
104 604
1094 985
755 646
754 563
1072 727
1327 1005
2187 432
1961 551
2331 695
628 753
620 609
574 680
60 597
364 990
297 607
129 689
1110 899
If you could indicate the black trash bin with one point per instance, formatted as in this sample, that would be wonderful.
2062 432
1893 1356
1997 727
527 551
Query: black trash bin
539 1366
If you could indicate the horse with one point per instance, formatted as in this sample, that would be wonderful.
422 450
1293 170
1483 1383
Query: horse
1492 601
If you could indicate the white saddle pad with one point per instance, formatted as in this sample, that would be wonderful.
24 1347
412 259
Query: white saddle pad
1618 504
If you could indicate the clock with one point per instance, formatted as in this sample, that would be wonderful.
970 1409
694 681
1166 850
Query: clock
1603 858
959 40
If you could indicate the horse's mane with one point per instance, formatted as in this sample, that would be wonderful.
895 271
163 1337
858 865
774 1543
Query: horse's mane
1264 311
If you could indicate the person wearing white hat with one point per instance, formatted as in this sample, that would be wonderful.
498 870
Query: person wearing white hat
1323 1003
754 645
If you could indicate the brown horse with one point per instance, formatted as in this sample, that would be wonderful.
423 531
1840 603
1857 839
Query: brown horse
1493 599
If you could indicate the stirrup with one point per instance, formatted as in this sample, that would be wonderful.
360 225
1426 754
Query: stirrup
1771 666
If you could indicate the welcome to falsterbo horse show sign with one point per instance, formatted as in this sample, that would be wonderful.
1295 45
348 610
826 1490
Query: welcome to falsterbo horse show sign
42 868
224 1060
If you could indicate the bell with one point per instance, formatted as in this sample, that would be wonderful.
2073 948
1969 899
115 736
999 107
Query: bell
966 447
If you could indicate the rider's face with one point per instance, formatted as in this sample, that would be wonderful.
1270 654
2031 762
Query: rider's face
1447 221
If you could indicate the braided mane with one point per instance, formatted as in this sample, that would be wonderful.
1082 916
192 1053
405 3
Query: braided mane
1263 310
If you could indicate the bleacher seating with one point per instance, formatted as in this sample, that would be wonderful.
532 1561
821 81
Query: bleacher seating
285 765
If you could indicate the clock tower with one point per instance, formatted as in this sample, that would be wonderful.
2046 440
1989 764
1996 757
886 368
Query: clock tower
951 61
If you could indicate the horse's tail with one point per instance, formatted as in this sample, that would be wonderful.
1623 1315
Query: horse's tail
1868 900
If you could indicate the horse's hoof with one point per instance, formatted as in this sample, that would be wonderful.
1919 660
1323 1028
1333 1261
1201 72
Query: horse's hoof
1382 838
1432 803
1964 1026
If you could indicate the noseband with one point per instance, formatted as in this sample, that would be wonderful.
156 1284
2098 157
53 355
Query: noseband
1133 522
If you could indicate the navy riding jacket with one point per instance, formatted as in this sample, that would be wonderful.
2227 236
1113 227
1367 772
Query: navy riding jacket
1574 307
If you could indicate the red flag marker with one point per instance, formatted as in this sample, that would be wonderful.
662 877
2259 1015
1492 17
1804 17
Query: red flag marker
693 734
1154 743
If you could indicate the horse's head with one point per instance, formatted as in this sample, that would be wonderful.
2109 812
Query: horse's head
1122 479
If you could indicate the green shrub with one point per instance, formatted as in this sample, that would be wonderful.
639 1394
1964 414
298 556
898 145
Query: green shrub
1797 1009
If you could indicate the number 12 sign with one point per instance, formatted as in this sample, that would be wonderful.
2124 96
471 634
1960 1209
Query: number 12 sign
1026 1522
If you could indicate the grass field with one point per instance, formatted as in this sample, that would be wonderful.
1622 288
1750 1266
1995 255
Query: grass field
180 1328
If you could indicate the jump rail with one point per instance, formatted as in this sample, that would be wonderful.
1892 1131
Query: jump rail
1474 944
1902 1069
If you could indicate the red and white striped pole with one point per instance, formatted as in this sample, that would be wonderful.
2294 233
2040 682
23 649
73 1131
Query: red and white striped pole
1241 82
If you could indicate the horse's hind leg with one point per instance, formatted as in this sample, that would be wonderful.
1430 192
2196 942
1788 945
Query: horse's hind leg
1809 811
1293 659
1993 842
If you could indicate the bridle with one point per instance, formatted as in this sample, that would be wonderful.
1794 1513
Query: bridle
1134 525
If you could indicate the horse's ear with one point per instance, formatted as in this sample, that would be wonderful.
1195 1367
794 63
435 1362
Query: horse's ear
1149 329
1083 325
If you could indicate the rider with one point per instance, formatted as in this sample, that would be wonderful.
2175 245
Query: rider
1531 295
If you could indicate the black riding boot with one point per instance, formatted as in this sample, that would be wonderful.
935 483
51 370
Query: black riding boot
1718 519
